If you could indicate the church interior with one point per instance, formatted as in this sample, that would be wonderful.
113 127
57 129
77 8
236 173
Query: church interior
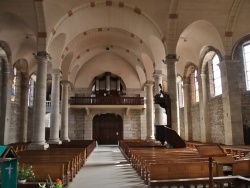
131 73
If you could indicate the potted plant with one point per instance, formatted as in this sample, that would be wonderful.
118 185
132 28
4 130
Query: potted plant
25 172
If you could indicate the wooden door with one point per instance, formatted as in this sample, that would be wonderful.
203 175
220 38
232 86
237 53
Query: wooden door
107 129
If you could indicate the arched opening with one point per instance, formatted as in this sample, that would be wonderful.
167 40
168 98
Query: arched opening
107 129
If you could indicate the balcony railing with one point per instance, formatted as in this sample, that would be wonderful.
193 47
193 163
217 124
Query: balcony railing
108 100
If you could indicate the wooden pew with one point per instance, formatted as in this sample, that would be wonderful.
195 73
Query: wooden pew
69 162
179 170
54 170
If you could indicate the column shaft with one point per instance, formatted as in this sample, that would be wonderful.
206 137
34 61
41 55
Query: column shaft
64 112
38 137
24 107
187 109
160 113
55 108
5 102
171 77
149 111
204 115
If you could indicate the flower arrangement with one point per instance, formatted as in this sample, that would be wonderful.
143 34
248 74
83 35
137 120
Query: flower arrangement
25 172
50 184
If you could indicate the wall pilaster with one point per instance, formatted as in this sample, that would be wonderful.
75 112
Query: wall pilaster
231 99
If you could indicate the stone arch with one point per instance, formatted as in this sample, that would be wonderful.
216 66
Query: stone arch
6 49
193 39
207 52
237 49
189 69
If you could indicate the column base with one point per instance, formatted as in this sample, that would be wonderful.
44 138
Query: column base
65 139
54 141
150 139
37 146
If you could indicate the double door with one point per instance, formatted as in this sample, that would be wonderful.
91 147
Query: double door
107 129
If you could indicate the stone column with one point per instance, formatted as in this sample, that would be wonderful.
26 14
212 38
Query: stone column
108 82
160 113
171 77
204 115
149 110
187 109
24 107
55 108
231 99
64 111
38 138
5 104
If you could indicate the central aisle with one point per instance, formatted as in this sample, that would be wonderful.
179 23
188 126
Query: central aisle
107 168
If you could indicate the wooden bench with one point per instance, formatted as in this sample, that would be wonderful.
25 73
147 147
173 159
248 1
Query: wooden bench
42 170
179 170
231 181
79 155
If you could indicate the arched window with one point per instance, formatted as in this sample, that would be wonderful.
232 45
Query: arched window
13 86
181 94
31 90
196 86
216 76
246 55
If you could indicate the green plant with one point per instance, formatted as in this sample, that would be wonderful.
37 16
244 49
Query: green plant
25 172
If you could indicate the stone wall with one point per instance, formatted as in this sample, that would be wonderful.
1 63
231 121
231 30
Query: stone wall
14 123
181 121
132 125
245 101
81 123
30 123
216 119
196 129
76 124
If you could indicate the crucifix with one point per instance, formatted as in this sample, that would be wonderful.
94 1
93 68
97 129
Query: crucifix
9 169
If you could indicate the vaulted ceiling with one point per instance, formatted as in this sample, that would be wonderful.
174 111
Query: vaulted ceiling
130 38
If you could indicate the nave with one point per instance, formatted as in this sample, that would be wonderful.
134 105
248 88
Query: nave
107 168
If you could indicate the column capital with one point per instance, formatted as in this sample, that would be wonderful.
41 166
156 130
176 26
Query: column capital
170 59
65 83
42 56
157 75
149 83
56 71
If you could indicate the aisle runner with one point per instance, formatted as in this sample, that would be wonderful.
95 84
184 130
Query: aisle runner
107 168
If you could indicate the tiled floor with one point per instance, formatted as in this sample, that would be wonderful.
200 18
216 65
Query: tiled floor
107 168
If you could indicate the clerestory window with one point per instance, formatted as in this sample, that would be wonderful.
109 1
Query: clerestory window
216 76
246 55
196 85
